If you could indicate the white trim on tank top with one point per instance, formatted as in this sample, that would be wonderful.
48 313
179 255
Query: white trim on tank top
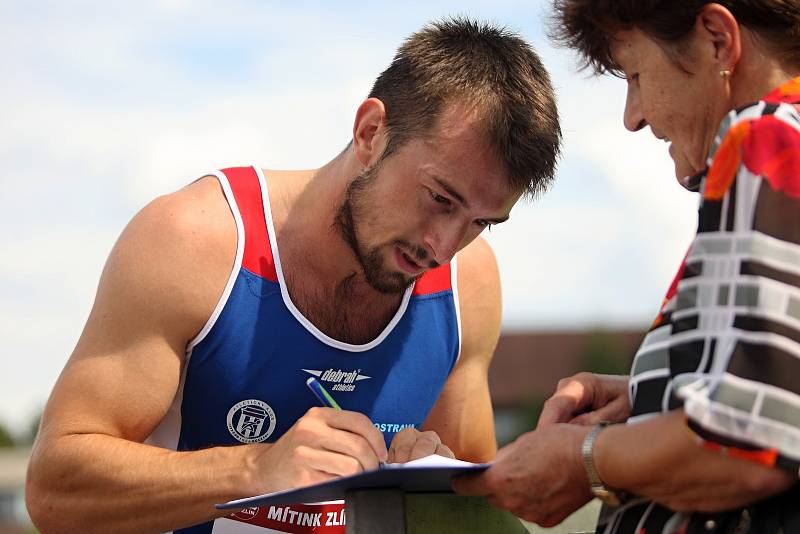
456 302
237 263
308 325
167 433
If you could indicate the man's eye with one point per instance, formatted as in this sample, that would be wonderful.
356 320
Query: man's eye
439 198
484 224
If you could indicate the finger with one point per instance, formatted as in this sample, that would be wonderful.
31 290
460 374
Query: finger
352 445
324 464
586 419
572 396
470 485
357 423
616 412
507 451
326 428
494 501
615 385
556 409
620 409
444 450
425 445
402 444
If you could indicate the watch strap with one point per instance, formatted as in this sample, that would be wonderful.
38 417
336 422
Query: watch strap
598 489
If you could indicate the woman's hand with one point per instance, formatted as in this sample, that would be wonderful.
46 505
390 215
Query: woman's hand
587 399
540 477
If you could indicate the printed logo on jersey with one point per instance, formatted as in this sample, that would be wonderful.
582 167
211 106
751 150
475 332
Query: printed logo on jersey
393 428
341 380
251 421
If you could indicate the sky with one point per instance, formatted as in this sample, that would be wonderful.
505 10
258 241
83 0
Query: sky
106 105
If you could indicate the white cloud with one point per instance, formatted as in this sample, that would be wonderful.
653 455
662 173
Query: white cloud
49 276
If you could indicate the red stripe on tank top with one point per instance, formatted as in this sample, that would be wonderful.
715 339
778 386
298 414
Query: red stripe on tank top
257 252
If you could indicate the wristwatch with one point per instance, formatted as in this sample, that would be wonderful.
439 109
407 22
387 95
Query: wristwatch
606 495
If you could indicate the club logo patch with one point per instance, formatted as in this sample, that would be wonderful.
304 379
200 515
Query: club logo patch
251 421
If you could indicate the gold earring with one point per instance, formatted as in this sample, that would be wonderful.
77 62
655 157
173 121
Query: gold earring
725 73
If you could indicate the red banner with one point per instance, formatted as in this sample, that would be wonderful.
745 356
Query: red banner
296 518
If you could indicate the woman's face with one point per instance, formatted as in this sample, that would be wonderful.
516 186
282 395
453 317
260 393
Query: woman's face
682 108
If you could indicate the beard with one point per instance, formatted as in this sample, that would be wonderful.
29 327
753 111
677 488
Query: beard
354 213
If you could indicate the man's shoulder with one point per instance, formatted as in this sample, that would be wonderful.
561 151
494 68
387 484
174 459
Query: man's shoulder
479 301
196 218
478 281
182 244
167 270
476 263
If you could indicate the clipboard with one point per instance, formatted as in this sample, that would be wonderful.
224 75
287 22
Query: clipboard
430 474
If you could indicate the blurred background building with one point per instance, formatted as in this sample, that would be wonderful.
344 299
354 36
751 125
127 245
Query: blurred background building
528 365
14 453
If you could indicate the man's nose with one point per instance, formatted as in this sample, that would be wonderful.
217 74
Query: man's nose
444 240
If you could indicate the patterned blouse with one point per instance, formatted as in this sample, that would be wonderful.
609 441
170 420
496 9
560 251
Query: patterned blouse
725 346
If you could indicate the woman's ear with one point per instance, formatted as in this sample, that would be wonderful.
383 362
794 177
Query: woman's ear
369 131
718 25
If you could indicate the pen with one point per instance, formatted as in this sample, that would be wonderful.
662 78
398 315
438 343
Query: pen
324 397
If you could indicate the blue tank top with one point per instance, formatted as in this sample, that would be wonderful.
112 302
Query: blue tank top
245 372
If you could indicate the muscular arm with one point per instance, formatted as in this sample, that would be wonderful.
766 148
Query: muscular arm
90 471
463 414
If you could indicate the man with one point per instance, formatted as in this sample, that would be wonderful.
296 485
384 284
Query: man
220 300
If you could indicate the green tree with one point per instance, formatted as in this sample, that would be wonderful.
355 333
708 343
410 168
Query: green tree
603 352
33 429
531 410
6 439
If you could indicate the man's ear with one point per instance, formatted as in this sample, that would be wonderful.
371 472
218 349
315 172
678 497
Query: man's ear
719 26
369 131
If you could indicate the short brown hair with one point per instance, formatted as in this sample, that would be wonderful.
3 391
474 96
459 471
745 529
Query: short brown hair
492 71
586 25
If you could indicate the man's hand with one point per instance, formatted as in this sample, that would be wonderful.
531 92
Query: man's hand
410 444
323 444
587 399
540 477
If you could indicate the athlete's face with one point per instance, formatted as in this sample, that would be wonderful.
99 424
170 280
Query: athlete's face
415 209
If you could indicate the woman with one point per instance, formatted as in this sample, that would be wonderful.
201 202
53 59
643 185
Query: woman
712 404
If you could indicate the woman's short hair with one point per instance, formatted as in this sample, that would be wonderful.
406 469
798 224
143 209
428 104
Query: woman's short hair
586 25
